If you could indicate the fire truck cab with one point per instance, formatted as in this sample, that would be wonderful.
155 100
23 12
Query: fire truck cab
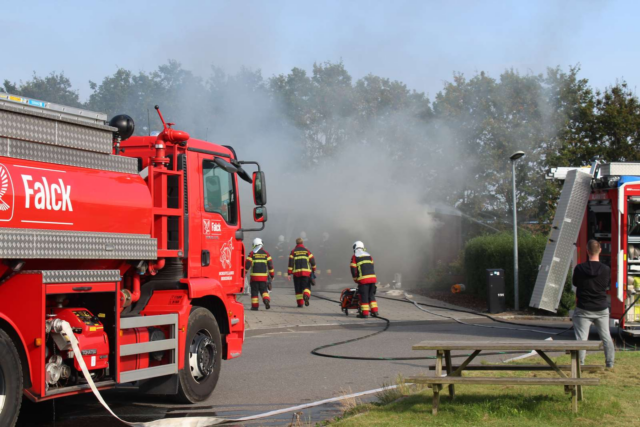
134 242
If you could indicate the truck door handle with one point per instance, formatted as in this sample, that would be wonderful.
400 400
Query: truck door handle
206 258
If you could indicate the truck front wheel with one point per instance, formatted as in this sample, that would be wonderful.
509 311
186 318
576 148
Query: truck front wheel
202 358
10 381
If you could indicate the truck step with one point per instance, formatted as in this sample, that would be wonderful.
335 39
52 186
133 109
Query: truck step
170 343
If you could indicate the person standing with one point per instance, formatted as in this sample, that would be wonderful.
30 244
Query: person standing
364 275
592 279
261 265
301 265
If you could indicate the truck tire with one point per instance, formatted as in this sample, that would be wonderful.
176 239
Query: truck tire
202 358
10 381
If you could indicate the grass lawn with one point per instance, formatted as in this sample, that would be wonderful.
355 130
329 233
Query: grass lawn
615 402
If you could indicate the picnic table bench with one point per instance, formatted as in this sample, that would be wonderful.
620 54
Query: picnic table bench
572 384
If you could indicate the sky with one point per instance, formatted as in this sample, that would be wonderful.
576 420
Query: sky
419 42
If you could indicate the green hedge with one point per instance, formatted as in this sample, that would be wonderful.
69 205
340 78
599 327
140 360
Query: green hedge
496 251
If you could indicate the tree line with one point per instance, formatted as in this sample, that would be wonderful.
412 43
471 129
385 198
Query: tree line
456 145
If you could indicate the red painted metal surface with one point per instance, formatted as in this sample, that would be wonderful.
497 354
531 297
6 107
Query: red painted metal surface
56 197
135 361
23 306
79 288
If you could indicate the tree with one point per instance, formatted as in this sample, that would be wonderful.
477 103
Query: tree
54 88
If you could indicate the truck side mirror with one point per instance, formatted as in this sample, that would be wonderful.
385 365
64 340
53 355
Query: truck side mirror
259 189
260 214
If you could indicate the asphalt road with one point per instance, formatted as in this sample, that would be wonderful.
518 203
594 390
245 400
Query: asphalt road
278 371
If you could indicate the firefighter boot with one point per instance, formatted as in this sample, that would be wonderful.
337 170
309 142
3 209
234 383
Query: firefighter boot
374 309
364 311
266 299
306 296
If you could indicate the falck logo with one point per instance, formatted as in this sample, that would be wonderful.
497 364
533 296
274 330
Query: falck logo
6 194
225 254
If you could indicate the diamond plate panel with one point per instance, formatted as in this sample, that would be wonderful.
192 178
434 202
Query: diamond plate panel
77 276
49 108
66 156
560 246
40 128
620 169
53 244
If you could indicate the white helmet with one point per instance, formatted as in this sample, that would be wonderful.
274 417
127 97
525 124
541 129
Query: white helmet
257 242
358 245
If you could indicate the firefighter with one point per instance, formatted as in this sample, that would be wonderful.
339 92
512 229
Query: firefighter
301 265
364 275
261 266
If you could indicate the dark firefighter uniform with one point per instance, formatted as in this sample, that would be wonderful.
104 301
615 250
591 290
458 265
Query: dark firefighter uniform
261 267
364 275
301 265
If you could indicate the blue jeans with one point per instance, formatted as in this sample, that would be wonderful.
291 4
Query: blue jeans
582 320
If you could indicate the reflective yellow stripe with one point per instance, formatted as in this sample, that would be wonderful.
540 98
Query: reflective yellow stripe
366 277
290 256
365 306
265 295
259 274
307 292
269 259
374 304
353 265
365 262
271 271
298 296
302 269
255 299
264 261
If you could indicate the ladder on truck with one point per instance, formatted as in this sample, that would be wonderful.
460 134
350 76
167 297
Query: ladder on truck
561 243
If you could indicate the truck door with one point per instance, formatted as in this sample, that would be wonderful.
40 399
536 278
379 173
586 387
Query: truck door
220 220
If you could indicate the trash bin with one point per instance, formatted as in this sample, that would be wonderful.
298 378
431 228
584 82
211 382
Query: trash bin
495 290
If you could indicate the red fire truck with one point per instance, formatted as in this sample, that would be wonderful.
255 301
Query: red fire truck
135 241
600 202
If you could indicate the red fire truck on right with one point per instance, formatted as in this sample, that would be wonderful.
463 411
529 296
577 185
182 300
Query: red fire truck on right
600 202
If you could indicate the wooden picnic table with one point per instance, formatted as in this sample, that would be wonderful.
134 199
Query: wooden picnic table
454 376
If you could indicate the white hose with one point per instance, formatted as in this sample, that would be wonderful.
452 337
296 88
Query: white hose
64 328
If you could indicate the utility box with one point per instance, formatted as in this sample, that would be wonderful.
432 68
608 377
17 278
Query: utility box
495 290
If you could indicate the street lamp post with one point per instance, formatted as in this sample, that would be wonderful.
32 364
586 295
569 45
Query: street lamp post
515 156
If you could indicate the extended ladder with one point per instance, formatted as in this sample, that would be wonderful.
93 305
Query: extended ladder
562 238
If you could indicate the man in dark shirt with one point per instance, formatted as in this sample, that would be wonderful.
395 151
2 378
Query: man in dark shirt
592 279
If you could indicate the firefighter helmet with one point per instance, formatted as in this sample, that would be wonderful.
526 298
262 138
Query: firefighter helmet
358 245
257 242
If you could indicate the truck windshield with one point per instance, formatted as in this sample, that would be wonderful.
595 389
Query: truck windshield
219 192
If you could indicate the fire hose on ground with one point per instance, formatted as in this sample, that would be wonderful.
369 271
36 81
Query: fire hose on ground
64 328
